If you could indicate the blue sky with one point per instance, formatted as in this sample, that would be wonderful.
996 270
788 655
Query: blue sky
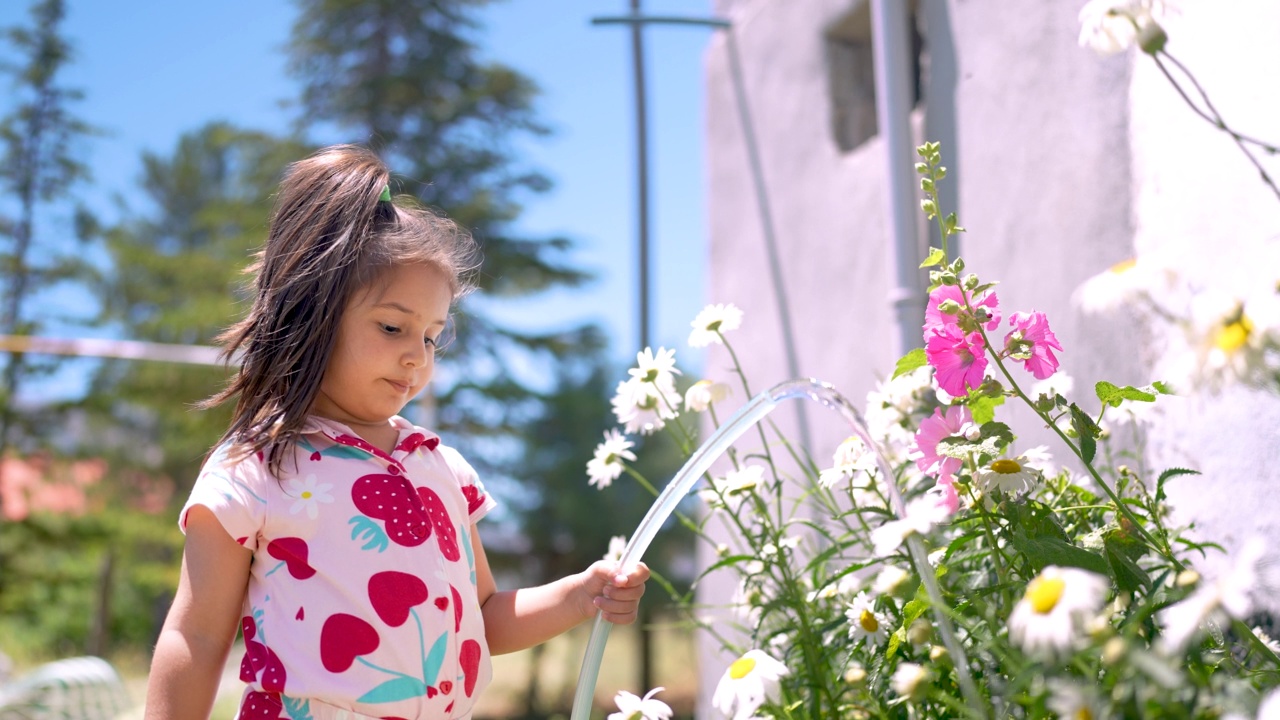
154 70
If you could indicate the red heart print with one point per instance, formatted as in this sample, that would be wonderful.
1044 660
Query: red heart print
393 593
344 638
293 551
469 659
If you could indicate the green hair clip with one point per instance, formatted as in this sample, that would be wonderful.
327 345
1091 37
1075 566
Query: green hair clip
386 194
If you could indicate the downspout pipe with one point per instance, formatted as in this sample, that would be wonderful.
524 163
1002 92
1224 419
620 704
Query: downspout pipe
890 38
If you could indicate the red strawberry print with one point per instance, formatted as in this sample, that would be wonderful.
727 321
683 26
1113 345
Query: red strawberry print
344 638
293 551
445 534
260 660
393 593
457 609
261 706
469 659
391 498
475 498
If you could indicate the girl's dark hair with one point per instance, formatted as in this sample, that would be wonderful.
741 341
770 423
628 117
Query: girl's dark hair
330 238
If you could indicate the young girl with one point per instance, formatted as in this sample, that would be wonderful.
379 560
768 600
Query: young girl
338 537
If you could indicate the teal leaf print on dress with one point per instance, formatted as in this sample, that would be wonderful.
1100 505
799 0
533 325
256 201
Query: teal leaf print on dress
466 545
435 659
344 451
297 709
368 529
401 688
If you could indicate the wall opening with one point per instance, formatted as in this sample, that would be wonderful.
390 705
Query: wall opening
851 74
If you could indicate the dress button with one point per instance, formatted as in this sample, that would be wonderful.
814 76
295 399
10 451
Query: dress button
393 469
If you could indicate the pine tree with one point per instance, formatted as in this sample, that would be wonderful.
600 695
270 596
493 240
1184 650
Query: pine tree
178 278
40 142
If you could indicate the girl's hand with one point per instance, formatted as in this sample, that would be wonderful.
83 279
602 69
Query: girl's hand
615 591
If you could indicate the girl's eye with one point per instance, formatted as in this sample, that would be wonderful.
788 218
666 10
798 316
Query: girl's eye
390 329
430 341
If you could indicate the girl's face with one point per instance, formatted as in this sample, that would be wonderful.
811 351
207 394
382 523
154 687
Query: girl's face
385 350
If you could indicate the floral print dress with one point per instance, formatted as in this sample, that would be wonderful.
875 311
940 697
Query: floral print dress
362 598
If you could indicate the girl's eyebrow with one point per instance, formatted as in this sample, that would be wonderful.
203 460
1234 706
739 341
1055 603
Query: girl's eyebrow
398 307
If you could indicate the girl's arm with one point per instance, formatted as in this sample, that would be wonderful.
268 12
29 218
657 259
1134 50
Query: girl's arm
201 624
518 619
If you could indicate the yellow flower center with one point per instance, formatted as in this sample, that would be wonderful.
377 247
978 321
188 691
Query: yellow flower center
1124 265
649 403
868 621
1044 593
1005 466
650 375
1084 714
741 668
1233 335
714 326
306 494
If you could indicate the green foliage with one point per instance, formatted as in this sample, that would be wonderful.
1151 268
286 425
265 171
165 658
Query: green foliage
180 280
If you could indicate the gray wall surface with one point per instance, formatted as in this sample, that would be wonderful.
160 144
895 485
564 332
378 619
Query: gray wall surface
1063 162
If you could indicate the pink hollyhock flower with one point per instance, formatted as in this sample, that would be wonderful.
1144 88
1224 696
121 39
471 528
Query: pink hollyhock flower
1032 342
935 319
942 424
958 359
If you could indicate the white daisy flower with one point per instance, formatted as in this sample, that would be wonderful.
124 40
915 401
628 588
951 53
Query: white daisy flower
735 483
703 393
606 465
1072 701
751 681
644 407
894 408
865 622
850 457
308 495
1111 26
910 680
922 514
1056 603
712 322
631 707
657 368
617 544
1266 640
1230 594
1011 475
1269 708
1039 458
1231 337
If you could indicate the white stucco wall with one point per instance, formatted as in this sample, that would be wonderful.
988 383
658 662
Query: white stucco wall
1065 163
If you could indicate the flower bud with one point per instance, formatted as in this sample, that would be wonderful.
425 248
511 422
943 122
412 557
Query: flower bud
1151 38
949 307
938 654
1187 578
920 632
948 278
970 281
972 432
957 266
722 550
1114 651
855 675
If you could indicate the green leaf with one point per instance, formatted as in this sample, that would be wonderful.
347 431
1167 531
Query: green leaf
983 405
911 361
995 436
1166 475
1043 551
896 639
1126 571
936 255
1162 388
401 688
366 527
1111 395
1086 430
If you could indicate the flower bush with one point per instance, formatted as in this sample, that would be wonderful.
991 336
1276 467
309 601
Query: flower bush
1061 588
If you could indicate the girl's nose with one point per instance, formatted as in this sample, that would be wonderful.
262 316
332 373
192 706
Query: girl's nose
417 357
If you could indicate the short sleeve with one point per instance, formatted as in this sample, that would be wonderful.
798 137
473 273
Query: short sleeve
234 489
479 502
